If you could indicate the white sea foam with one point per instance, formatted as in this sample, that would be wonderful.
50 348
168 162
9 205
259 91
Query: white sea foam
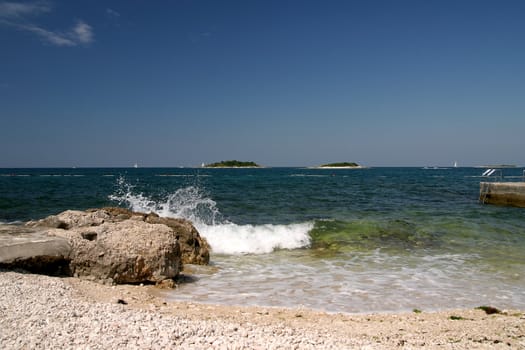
260 239
223 236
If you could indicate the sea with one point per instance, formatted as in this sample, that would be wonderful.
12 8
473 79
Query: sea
337 240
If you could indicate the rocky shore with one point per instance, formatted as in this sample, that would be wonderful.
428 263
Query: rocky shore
45 312
110 245
92 305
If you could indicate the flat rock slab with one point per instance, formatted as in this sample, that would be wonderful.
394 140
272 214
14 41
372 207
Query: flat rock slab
32 249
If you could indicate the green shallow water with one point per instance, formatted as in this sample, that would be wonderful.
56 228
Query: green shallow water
363 235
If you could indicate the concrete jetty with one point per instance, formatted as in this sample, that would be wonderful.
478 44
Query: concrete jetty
502 193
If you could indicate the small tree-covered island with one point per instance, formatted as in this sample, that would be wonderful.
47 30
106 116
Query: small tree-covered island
232 164
341 165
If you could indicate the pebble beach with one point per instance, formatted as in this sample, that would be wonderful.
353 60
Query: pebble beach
45 312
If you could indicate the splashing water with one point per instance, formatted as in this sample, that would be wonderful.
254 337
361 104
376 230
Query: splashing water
223 236
189 203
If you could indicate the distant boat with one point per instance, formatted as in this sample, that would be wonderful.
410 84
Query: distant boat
455 164
135 165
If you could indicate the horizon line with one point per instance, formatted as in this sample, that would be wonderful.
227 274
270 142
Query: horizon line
269 166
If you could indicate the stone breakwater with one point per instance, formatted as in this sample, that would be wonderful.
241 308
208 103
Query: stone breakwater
44 312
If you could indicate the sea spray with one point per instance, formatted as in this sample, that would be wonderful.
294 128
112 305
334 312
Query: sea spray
188 202
124 195
225 237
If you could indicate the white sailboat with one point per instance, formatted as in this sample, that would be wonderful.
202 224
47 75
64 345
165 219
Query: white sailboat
135 165
455 164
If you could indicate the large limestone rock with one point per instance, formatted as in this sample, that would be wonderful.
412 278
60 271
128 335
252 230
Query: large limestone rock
130 251
120 246
194 248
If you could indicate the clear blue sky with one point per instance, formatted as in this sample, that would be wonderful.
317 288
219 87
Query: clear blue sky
178 83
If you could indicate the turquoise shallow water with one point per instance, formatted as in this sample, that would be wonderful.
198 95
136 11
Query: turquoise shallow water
379 239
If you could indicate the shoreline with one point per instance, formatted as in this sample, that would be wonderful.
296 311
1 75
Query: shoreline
81 313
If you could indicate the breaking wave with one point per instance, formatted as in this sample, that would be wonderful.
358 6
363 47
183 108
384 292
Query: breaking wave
223 236
256 239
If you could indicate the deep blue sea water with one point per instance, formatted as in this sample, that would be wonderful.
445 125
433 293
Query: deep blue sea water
359 240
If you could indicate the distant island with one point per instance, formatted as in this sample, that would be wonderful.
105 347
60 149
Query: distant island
341 165
232 164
